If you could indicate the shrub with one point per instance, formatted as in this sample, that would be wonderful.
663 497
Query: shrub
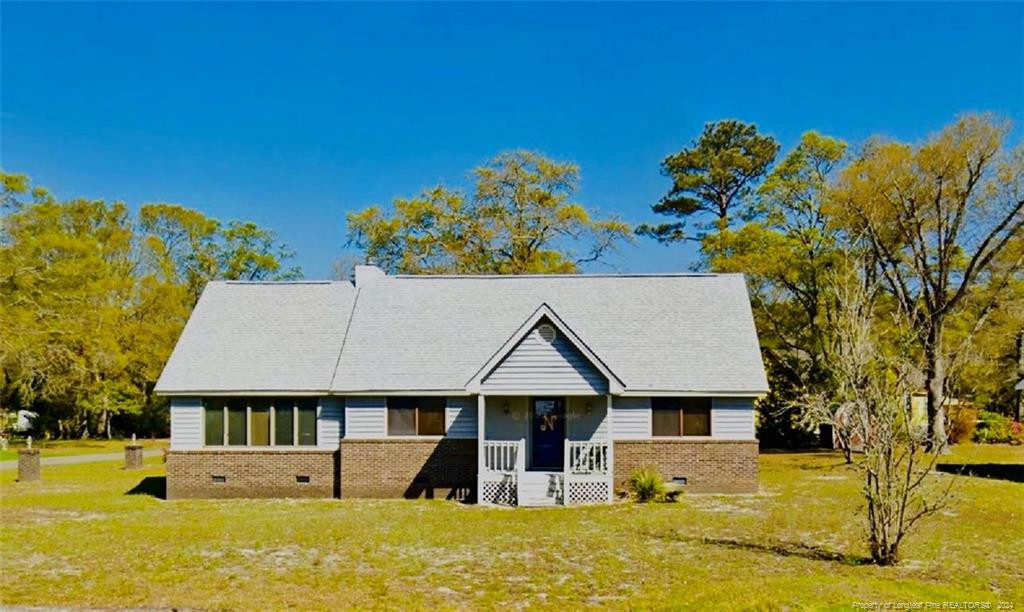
963 420
647 485
994 428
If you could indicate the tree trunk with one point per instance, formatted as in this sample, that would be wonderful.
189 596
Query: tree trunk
935 383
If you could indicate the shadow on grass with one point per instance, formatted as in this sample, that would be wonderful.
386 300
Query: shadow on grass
1013 472
154 486
774 547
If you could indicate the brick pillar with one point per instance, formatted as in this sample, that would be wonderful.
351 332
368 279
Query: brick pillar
28 465
133 456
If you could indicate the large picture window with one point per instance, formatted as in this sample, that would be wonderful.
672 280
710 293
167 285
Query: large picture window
680 416
416 416
260 421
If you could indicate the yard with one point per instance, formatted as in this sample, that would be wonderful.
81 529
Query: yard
95 535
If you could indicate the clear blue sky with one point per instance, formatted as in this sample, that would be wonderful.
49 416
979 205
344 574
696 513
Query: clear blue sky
291 115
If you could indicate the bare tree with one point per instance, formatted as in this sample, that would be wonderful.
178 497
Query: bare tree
875 379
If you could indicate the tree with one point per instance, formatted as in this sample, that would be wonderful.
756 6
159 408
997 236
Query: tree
873 392
787 251
936 218
93 302
713 177
520 219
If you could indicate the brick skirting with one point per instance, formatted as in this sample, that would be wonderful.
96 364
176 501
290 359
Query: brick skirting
251 473
410 468
709 466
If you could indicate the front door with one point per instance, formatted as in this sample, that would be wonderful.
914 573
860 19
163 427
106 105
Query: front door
547 433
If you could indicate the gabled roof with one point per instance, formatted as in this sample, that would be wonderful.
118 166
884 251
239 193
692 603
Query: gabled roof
261 337
665 333
670 334
544 312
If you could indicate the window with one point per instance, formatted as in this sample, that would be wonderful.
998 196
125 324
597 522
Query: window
306 407
214 421
284 421
258 421
412 416
236 422
680 416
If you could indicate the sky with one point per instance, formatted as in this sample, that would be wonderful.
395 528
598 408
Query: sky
291 115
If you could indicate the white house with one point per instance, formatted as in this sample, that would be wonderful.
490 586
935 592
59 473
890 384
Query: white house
525 390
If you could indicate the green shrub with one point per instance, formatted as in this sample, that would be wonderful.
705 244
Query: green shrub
994 428
647 485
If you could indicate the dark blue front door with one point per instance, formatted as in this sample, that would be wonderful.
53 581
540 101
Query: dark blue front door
548 433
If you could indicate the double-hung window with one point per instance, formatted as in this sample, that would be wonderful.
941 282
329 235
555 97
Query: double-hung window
680 416
260 421
416 416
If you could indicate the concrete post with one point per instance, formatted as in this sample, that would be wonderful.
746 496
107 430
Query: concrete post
133 455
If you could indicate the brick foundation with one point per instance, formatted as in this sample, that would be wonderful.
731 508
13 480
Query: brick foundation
433 468
28 465
133 457
709 466
251 473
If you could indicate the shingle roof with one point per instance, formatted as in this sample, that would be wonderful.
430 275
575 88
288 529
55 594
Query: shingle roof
668 333
261 337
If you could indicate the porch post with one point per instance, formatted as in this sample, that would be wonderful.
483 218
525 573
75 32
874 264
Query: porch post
480 436
610 428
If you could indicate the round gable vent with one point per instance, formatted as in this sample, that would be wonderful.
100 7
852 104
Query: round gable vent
547 333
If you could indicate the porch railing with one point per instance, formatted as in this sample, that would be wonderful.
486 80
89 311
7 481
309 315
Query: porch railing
589 457
502 462
503 455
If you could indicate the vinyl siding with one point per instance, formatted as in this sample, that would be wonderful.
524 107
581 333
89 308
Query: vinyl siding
511 426
186 423
539 367
631 418
587 426
366 417
460 417
330 424
733 418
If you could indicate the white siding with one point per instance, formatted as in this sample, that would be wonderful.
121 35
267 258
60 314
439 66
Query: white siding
631 418
186 423
366 417
584 425
511 426
733 418
538 366
330 424
460 417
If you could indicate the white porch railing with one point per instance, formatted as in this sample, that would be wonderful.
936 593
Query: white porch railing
589 457
588 472
502 461
503 455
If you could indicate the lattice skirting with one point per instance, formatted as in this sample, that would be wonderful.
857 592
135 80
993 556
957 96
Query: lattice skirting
588 492
499 492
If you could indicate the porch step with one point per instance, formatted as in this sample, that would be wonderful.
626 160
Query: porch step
540 489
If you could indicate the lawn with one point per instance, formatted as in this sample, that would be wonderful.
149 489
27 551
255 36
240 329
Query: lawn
64 448
94 535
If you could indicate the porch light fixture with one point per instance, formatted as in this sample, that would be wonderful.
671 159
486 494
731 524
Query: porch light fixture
589 408
504 408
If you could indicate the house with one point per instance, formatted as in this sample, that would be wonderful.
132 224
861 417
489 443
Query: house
517 390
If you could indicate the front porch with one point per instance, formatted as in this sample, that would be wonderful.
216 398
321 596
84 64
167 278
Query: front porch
544 450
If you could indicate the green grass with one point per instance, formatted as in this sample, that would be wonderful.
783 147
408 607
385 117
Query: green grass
64 448
79 539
